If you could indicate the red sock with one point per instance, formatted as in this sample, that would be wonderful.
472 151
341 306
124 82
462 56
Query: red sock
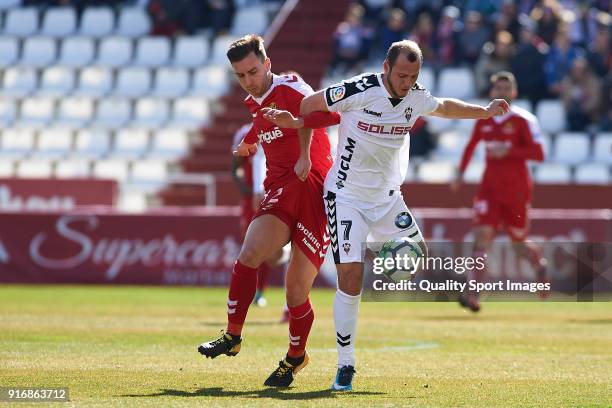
262 276
300 322
241 294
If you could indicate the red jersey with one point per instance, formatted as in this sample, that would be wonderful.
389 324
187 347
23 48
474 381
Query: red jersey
507 178
281 146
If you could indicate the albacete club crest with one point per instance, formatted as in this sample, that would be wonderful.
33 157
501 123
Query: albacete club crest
347 247
408 114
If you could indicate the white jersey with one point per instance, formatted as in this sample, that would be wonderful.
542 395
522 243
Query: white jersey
373 136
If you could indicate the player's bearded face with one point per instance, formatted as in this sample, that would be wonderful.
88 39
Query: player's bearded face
401 76
254 75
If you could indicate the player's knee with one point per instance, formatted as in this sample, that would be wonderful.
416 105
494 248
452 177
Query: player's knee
295 295
350 279
250 257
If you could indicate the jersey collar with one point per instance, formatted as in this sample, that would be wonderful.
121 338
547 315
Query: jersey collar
394 101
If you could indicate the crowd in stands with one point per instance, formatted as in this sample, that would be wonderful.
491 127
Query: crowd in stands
557 49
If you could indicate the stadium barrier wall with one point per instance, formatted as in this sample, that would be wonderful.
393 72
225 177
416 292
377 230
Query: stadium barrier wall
55 194
197 246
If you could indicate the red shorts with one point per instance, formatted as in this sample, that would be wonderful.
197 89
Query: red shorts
300 205
511 214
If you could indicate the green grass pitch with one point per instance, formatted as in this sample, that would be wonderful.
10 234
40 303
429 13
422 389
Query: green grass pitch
136 346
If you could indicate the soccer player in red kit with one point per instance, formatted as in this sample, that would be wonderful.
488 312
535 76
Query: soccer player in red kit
292 209
505 191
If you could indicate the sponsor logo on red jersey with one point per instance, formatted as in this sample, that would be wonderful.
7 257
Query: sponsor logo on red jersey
270 135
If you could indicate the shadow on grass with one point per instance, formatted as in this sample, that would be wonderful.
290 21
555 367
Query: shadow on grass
277 393
591 321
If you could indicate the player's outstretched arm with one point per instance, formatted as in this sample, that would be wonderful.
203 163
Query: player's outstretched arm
457 109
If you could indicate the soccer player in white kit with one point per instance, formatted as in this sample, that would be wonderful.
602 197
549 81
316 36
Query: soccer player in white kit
362 190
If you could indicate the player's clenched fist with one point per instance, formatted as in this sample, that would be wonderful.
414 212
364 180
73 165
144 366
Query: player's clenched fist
302 167
498 107
245 149
281 118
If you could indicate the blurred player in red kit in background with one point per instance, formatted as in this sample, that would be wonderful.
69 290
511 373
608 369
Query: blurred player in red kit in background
505 191
292 209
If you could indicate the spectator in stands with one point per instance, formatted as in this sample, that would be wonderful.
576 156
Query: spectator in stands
422 141
495 57
373 11
395 29
220 15
528 64
351 42
606 105
598 54
472 38
485 8
423 34
447 35
581 95
559 60
547 17
162 23
510 17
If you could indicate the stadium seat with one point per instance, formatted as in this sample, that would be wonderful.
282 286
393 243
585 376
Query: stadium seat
113 113
75 112
592 173
249 20
171 82
436 172
133 22
76 52
8 112
114 169
9 51
450 146
97 22
38 52
59 22
73 168
551 116
53 143
602 148
92 143
34 168
169 143
149 173
130 143
438 125
546 142
219 49
427 79
133 82
474 171
151 113
7 167
571 148
95 82
211 82
456 83
132 200
17 143
190 52
18 82
9 4
190 113
21 22
36 112
551 173
524 104
152 52
114 52
57 82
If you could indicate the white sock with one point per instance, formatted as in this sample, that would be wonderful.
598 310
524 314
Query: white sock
346 309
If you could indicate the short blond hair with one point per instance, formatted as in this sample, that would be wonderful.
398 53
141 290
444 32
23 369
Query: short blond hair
409 48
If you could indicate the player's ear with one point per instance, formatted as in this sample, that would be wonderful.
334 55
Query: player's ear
268 64
386 67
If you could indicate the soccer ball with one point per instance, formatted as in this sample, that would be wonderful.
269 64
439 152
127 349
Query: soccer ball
398 259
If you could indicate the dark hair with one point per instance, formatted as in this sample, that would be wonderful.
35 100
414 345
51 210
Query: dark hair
239 49
409 48
504 76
